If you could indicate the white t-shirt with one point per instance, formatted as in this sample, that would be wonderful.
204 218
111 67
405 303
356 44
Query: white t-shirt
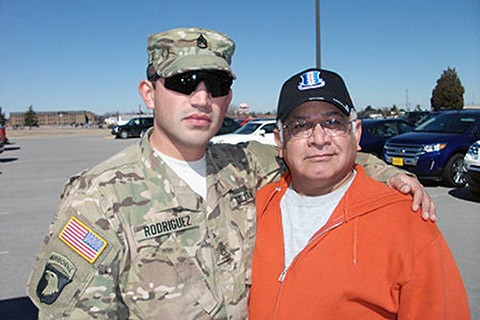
194 173
302 216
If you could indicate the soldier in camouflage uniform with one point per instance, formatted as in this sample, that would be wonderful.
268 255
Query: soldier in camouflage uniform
141 235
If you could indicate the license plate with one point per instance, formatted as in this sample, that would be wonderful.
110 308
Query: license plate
397 161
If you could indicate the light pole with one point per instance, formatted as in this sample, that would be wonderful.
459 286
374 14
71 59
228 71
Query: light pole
317 15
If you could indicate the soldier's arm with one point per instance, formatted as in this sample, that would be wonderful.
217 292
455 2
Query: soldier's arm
266 163
400 180
76 272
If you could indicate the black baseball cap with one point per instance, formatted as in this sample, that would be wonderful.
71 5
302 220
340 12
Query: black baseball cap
313 85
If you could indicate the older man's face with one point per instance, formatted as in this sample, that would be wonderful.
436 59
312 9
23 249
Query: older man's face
322 161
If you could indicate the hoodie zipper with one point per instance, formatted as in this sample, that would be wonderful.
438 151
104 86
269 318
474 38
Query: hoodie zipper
282 276
316 236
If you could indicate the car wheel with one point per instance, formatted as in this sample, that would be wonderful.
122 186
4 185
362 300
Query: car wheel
454 173
123 134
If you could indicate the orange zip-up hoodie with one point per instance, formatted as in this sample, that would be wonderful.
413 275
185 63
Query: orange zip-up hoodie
374 259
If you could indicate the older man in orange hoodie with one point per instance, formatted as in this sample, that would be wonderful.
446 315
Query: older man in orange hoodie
331 242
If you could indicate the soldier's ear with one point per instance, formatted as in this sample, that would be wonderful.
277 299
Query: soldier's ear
146 91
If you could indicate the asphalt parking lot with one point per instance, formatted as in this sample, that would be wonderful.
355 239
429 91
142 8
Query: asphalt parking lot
34 169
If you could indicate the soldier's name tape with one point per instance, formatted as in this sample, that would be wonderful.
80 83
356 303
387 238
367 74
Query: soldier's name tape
161 228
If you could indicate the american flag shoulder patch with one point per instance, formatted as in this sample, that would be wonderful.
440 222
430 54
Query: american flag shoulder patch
82 240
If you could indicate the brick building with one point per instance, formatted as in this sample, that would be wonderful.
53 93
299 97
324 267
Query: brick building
54 118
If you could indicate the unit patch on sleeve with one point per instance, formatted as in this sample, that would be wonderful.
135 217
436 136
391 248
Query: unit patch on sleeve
82 240
58 273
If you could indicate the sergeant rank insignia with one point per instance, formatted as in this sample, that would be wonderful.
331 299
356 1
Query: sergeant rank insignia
202 42
82 240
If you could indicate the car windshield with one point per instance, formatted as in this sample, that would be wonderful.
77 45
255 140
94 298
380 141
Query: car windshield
248 128
134 122
446 123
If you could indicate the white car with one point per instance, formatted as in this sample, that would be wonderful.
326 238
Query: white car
472 167
260 130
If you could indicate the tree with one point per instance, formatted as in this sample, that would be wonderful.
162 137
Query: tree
394 110
448 93
369 110
30 118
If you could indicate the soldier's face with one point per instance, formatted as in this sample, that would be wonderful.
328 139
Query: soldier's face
184 121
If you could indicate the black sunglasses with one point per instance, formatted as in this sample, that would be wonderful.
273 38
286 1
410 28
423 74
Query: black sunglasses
218 83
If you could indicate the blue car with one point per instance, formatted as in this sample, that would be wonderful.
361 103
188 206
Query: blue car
435 149
375 132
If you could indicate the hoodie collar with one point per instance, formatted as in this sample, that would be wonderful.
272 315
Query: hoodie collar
358 198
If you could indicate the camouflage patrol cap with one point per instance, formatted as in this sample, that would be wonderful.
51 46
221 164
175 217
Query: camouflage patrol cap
186 49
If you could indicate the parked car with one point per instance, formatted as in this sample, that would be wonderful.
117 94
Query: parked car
228 126
415 117
375 132
260 130
3 138
3 134
133 128
472 167
435 149
245 120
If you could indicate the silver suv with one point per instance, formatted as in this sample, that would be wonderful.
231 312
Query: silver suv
472 167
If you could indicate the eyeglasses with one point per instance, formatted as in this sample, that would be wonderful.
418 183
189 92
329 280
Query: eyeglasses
218 83
332 127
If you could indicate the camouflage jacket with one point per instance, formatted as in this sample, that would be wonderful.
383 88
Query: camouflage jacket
132 241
